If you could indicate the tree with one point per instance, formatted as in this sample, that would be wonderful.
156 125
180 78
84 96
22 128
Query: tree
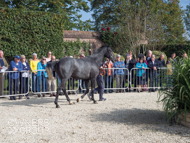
159 21
187 19
67 7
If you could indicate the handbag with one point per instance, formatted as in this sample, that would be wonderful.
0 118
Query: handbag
143 76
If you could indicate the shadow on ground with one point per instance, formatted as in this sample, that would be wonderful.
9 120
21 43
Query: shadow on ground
33 101
153 120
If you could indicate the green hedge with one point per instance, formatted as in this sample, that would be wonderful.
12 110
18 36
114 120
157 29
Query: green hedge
73 48
26 32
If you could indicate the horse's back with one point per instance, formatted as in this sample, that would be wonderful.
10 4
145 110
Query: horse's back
77 68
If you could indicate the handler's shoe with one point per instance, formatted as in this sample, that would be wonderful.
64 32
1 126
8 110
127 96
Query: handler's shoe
103 99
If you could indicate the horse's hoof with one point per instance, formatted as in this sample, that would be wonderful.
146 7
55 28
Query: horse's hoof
57 106
78 100
70 103
95 102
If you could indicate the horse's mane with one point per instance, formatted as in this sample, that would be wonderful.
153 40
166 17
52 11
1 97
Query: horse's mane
99 49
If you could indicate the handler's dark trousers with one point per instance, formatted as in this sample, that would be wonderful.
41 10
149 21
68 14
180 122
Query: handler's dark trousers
100 87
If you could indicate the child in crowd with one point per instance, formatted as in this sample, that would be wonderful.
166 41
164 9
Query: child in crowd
100 87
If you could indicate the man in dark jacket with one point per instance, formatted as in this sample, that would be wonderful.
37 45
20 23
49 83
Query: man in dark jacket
153 65
160 72
129 63
148 58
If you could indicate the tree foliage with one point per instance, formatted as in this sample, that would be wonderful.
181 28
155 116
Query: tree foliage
27 32
157 21
65 7
187 19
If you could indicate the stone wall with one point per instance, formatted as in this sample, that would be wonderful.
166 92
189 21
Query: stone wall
87 36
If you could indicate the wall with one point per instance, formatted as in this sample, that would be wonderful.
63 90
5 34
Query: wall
87 36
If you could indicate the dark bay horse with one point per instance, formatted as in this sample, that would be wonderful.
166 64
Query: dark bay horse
86 68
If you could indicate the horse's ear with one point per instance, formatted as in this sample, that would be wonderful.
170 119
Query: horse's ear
109 49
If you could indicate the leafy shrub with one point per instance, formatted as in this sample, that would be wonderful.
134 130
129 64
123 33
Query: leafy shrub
177 100
73 48
26 32
158 53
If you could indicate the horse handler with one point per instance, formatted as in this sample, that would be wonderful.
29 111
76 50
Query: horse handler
100 87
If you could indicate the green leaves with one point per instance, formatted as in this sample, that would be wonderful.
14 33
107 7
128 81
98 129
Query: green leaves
67 8
25 32
187 19
177 101
161 22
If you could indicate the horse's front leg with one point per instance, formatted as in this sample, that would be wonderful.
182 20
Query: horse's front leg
86 92
93 81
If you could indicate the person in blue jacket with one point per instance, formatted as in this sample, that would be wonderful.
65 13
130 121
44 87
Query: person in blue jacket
141 75
13 77
42 75
119 65
24 79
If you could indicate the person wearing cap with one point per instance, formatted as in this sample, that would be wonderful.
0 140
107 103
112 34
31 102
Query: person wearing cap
33 65
24 79
81 82
13 77
119 72
42 75
100 81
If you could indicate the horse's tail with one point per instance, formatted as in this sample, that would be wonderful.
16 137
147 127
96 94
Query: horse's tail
49 68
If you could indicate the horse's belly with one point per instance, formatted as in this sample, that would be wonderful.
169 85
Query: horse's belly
81 75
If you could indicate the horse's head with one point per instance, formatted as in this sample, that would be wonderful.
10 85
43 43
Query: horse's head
110 55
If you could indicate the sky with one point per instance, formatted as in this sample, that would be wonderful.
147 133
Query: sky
87 16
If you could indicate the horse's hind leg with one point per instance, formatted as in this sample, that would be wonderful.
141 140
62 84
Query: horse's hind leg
56 98
93 81
64 91
58 90
87 90
61 87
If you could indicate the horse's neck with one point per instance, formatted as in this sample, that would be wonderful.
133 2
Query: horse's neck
98 57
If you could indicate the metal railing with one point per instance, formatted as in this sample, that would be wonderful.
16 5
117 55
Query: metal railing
150 79
40 84
14 83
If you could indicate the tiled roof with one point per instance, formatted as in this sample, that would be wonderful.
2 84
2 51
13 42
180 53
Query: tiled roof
81 34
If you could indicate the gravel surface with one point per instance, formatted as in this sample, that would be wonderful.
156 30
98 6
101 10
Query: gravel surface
130 117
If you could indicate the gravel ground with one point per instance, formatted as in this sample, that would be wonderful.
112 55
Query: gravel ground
130 117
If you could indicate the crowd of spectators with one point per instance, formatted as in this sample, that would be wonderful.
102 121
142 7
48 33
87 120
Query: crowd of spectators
147 70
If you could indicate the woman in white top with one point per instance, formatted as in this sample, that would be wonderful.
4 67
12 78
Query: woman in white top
24 79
